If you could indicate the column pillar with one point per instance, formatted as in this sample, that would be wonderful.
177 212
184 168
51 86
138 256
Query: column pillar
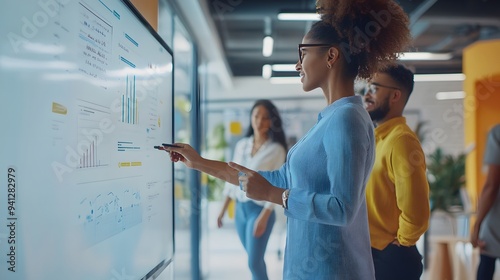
481 66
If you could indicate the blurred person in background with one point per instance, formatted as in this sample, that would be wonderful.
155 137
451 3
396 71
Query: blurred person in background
262 148
486 231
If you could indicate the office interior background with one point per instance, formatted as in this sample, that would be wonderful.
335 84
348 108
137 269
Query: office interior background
229 53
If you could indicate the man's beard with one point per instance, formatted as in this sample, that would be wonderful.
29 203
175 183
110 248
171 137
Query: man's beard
381 112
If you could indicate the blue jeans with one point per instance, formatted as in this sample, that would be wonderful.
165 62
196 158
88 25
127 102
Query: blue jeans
486 268
246 214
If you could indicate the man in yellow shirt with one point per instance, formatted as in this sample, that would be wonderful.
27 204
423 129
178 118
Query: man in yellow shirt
397 193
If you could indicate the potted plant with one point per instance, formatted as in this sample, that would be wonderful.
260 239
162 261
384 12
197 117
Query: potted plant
446 176
216 150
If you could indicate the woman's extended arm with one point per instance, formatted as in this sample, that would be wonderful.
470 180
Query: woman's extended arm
186 154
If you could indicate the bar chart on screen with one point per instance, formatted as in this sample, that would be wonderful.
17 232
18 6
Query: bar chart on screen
129 104
91 137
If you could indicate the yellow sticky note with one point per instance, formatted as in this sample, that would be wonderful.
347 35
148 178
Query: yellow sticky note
235 128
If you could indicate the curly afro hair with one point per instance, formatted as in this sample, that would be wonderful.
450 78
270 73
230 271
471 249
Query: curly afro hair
370 33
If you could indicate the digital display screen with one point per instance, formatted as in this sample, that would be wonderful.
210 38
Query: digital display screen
86 89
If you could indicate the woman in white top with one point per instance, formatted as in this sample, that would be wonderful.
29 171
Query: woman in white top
263 148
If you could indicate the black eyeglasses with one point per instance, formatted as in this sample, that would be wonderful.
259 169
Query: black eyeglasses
310 45
373 87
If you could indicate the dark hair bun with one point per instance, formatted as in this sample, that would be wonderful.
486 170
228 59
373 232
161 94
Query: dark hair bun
374 32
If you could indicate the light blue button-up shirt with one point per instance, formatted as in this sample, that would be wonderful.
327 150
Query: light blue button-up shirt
326 172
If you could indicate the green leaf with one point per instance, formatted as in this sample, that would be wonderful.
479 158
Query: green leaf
446 176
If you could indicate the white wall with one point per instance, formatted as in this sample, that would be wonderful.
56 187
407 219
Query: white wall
444 117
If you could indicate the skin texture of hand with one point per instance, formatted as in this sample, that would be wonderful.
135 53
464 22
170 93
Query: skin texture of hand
486 201
474 236
256 186
474 239
223 211
396 242
190 157
185 154
219 219
261 223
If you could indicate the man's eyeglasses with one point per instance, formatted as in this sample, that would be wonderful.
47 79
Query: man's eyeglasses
373 87
310 45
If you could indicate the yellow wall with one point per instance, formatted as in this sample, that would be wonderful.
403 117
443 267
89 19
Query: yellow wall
149 10
481 65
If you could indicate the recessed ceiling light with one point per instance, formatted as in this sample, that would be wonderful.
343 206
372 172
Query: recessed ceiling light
439 77
284 67
299 16
267 71
454 77
425 56
285 80
448 95
267 46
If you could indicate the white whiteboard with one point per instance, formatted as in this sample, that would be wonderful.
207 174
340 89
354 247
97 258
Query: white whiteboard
86 89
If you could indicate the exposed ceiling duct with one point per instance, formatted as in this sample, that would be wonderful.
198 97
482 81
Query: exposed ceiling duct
436 26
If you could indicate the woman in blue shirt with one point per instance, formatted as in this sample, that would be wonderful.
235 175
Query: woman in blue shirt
322 184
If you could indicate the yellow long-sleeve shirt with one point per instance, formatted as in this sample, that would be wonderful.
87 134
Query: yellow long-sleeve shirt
397 193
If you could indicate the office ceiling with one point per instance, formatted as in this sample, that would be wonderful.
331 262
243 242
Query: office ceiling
442 26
